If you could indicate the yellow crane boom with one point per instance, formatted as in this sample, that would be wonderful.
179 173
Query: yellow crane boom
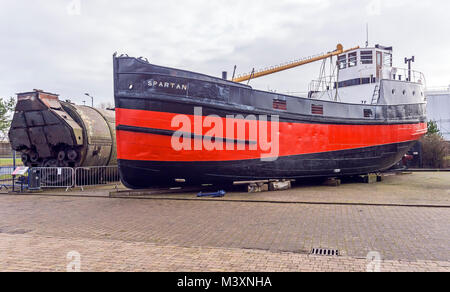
339 50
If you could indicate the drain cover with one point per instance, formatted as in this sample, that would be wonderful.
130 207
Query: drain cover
325 252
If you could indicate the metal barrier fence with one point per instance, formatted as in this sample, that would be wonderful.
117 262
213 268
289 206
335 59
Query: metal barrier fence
96 176
52 177
6 179
62 177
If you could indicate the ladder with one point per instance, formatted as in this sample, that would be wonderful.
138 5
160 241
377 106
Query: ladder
376 94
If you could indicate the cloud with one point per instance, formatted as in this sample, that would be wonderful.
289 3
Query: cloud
46 47
374 7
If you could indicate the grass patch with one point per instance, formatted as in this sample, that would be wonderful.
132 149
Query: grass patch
5 177
10 162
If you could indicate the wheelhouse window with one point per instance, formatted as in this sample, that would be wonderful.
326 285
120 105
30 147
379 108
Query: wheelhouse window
387 60
342 61
352 59
367 57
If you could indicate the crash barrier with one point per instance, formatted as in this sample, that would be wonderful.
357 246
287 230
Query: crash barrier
51 177
96 176
6 179
66 177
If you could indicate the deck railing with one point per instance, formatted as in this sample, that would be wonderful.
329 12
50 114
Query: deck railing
403 74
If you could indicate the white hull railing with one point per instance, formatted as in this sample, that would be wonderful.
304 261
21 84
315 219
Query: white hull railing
402 74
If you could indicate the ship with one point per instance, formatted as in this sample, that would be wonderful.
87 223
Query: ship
181 127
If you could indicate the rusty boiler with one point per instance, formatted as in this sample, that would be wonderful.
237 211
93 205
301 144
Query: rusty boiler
52 133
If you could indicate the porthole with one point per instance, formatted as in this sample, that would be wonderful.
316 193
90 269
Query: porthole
414 93
404 92
393 91
130 87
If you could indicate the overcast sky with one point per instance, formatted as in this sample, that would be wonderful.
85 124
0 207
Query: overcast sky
66 46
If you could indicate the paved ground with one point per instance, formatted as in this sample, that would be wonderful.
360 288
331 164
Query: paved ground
403 189
37 232
37 253
413 189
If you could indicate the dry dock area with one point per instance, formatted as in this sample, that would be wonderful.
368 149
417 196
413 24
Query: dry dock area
404 219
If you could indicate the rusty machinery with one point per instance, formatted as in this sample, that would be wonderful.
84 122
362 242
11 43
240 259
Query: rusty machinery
52 133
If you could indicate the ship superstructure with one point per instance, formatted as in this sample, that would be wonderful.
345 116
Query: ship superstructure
363 73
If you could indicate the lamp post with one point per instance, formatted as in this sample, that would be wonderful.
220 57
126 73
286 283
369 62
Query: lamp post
92 98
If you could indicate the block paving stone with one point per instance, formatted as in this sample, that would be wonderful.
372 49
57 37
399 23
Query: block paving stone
50 254
37 232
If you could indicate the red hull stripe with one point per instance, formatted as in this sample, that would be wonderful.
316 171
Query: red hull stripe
294 138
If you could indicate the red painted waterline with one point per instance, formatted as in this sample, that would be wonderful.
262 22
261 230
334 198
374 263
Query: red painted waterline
294 138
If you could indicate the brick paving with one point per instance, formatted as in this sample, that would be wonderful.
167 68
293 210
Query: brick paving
37 231
119 232
410 189
39 253
428 189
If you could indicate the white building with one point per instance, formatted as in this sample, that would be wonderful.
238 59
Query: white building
438 109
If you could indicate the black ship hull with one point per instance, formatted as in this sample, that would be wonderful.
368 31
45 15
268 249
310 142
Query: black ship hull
313 138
